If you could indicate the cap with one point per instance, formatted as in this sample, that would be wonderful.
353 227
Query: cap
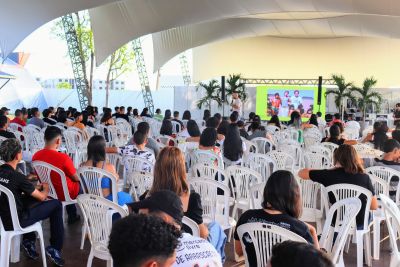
5 109
165 201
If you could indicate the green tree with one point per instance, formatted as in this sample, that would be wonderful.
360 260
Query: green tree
367 97
234 85
342 91
211 90
85 40
118 63
63 85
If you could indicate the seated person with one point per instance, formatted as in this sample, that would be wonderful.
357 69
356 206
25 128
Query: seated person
274 121
121 114
19 118
396 135
136 150
36 120
242 130
4 122
47 117
31 203
143 241
335 137
50 155
96 154
234 147
296 254
166 130
282 207
208 139
213 122
168 206
379 135
257 131
152 144
176 119
348 170
336 118
234 117
62 118
193 131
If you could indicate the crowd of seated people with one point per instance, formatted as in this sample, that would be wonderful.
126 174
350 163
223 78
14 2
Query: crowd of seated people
224 137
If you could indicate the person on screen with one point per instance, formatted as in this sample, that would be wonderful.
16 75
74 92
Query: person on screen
284 110
296 100
276 103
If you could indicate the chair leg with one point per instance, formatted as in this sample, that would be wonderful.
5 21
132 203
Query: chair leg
367 247
83 236
360 249
41 240
109 263
90 259
15 248
376 238
5 251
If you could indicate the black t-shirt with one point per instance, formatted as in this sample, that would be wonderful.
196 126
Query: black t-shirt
49 121
7 134
194 211
339 176
122 116
20 187
261 216
334 141
244 134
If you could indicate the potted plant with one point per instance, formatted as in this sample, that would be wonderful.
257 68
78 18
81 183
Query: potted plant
367 96
211 90
342 92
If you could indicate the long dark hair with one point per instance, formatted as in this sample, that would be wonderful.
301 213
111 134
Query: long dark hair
186 115
380 137
275 120
166 127
96 149
282 193
313 120
206 115
334 134
233 149
193 128
223 127
106 116
167 114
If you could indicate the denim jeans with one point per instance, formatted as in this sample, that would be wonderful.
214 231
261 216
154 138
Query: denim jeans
47 209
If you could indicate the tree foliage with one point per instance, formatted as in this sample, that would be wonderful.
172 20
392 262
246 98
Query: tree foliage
367 97
212 92
234 85
63 85
342 91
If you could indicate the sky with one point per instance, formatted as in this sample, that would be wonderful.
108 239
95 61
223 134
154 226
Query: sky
48 59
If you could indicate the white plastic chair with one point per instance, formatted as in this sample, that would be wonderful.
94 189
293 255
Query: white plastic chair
272 129
15 126
215 207
260 163
138 183
43 171
331 146
392 215
349 209
311 139
263 144
206 157
115 159
380 178
283 160
313 160
293 148
264 237
242 178
135 164
10 240
313 209
92 131
208 171
194 227
342 191
165 140
97 213
251 147
256 195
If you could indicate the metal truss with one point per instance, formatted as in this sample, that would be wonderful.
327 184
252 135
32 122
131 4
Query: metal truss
287 81
77 60
142 72
185 69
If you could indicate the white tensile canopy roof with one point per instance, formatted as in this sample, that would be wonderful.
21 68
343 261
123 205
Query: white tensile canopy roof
19 18
178 25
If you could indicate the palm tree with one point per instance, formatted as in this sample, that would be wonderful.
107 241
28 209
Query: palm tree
212 90
367 97
342 91
234 85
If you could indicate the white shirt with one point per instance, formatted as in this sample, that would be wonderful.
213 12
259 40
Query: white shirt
195 251
238 103
296 101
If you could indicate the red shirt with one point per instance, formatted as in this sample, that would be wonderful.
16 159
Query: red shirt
64 163
18 121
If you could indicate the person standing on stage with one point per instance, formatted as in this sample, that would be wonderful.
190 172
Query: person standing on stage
236 104
284 110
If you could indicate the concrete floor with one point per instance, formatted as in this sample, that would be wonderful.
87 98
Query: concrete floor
74 257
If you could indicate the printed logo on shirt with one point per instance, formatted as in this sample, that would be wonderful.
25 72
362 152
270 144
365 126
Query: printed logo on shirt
4 180
195 252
